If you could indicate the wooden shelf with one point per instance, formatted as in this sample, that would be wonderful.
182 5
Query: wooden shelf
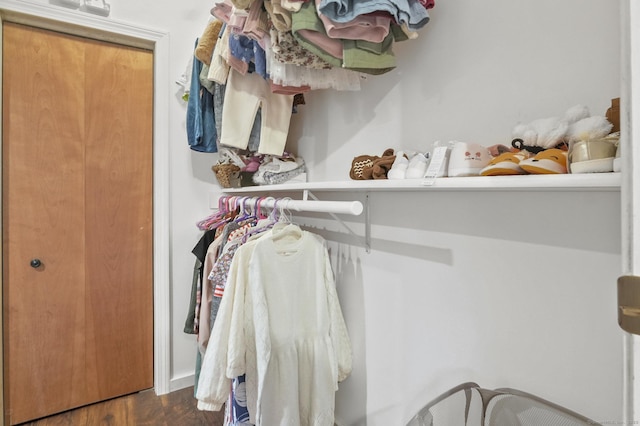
568 182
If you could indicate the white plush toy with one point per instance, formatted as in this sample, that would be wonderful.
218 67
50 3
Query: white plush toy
589 128
546 133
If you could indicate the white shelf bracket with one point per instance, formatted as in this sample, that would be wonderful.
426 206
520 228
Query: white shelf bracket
367 239
367 224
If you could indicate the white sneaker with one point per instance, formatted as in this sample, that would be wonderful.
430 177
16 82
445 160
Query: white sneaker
399 167
417 166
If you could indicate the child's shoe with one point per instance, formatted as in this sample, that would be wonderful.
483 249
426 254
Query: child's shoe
399 167
468 159
505 164
417 166
548 162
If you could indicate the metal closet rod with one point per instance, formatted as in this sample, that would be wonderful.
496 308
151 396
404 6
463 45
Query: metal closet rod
337 207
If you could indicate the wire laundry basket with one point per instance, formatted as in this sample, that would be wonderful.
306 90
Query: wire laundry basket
470 405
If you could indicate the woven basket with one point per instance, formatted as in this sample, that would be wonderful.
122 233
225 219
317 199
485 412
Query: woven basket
228 175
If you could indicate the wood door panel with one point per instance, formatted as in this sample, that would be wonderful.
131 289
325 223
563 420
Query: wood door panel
119 188
34 188
77 193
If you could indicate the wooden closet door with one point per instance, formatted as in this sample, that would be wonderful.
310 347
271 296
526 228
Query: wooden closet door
77 197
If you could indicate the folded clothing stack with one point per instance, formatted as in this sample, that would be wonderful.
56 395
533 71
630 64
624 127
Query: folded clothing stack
237 168
274 170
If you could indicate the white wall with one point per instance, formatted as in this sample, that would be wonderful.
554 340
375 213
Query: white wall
190 172
506 289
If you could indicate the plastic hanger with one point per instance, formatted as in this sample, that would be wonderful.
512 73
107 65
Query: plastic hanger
226 212
244 213
265 222
205 223
285 228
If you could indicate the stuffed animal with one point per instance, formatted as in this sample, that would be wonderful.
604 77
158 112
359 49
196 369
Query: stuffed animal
362 165
546 133
541 146
596 127
382 166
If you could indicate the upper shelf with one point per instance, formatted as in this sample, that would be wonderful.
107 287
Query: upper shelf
568 182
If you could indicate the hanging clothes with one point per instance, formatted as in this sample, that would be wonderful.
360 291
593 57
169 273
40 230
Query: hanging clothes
244 94
265 52
278 278
201 126
410 12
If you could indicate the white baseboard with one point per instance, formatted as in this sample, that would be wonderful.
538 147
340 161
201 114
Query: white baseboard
178 383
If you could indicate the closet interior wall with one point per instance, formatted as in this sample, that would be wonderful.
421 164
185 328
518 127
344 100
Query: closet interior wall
504 288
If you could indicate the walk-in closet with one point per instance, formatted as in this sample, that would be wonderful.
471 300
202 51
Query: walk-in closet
503 281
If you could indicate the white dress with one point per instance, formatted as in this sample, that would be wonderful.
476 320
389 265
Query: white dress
281 325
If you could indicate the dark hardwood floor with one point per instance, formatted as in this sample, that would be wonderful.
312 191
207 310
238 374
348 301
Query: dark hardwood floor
140 409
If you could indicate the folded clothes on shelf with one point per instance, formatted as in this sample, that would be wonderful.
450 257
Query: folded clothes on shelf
236 169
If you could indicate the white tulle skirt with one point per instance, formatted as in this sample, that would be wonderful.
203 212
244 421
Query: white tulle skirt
300 76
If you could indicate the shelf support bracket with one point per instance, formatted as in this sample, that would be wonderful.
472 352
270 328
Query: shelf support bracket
306 194
367 224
